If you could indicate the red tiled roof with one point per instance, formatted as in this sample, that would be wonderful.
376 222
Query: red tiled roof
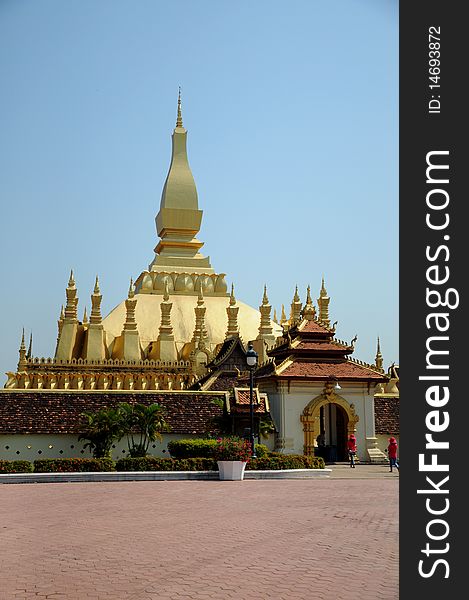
387 416
321 370
313 327
51 413
323 346
242 401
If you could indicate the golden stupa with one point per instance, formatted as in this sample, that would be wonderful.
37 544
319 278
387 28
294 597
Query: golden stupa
176 316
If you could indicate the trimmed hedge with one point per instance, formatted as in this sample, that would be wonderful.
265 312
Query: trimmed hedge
154 463
196 448
15 466
73 465
275 462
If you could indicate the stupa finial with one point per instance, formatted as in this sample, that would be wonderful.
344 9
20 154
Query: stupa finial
131 293
96 286
179 117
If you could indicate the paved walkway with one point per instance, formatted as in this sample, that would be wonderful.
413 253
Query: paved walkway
328 539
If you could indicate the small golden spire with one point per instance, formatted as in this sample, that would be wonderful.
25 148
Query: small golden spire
283 316
309 312
62 314
22 345
85 317
30 349
265 300
379 357
131 293
22 363
295 312
71 281
232 312
179 117
275 316
323 304
96 286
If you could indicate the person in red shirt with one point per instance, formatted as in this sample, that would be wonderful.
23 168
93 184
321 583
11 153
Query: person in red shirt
352 449
392 454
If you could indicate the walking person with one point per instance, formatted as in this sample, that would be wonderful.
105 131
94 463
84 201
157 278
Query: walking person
392 454
352 449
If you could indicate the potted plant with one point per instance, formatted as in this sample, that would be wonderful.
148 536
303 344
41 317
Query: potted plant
232 454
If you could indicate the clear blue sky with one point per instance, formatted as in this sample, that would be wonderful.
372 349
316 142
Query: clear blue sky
292 114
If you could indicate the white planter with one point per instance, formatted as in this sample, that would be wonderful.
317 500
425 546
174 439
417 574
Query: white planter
231 470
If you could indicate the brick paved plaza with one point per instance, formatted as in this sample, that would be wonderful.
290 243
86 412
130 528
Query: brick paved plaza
326 539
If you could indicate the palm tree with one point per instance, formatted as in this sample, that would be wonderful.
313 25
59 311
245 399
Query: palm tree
101 429
142 424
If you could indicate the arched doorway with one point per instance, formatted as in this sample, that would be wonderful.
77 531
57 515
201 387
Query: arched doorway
331 418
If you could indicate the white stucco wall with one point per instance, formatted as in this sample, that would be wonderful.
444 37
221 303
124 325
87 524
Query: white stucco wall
31 447
288 401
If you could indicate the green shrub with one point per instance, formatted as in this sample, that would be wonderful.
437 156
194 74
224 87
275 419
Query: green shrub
154 463
15 466
276 461
261 450
196 448
73 465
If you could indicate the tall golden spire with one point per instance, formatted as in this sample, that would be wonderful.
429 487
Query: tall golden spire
72 300
130 337
200 333
179 218
232 312
295 313
323 304
130 323
265 327
96 297
69 324
85 317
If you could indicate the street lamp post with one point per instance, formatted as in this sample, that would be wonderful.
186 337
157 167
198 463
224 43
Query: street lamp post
251 359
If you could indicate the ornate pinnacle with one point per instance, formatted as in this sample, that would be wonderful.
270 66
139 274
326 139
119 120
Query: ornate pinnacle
323 304
72 300
131 293
275 316
22 352
283 316
309 312
96 298
296 297
379 357
232 312
179 117
30 349
265 327
85 317
295 312
232 296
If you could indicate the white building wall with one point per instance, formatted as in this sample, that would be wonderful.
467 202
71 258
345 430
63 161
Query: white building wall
32 447
289 399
